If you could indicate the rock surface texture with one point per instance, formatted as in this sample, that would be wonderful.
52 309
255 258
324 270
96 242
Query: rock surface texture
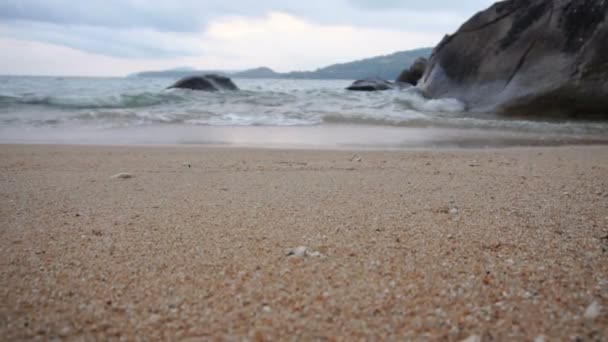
205 83
415 72
527 57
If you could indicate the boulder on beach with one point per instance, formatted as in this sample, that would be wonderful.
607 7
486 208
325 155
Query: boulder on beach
415 72
205 83
376 84
527 57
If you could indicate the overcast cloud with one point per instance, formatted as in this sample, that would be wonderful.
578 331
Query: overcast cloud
131 35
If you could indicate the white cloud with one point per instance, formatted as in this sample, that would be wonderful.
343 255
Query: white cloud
465 6
165 15
34 58
285 42
192 15
278 40
126 42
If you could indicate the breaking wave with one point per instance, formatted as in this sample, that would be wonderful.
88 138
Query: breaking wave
124 103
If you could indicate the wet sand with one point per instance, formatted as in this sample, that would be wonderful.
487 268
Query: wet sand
500 244
324 137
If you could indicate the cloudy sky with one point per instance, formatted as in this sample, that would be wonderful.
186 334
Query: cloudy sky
117 37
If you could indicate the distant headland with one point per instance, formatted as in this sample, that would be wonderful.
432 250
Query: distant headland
385 67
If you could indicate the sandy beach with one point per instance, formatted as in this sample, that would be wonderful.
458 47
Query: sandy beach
202 243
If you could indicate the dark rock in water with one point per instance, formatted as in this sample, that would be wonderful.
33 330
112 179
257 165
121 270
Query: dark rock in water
376 84
370 85
527 57
415 72
205 83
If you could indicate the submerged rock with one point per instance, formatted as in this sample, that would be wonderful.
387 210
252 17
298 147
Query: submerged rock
376 84
527 57
205 83
415 72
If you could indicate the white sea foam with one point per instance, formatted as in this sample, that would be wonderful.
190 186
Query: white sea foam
120 103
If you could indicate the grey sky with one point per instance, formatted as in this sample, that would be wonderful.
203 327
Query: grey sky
132 30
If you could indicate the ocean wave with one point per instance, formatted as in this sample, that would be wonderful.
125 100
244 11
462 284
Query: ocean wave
414 99
144 99
293 104
8 99
405 118
422 121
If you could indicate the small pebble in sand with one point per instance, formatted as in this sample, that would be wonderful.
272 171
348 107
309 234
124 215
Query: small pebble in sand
154 318
472 338
122 175
186 164
65 331
593 311
302 252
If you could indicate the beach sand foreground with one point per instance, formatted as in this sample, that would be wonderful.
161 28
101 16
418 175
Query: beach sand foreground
501 244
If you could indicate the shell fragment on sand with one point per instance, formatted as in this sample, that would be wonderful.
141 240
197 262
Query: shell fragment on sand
302 252
593 311
122 175
473 338
356 158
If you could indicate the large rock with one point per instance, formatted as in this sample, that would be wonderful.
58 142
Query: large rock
375 84
528 57
205 83
415 72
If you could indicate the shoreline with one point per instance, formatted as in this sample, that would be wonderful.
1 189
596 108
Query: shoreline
312 149
323 137
202 243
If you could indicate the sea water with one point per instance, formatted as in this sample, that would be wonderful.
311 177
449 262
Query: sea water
307 113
